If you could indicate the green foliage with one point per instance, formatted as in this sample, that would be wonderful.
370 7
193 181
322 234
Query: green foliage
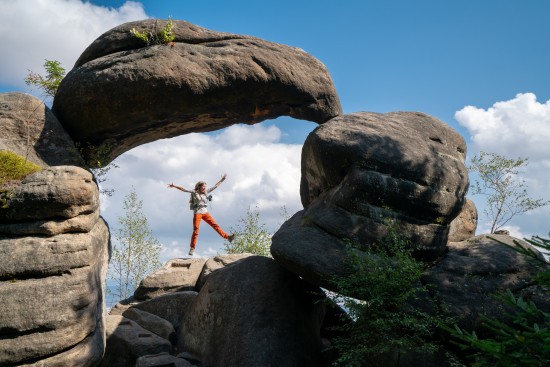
505 190
385 283
136 252
97 156
156 37
49 83
524 340
14 167
250 235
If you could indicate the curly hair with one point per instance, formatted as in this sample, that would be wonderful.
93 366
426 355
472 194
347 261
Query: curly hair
198 185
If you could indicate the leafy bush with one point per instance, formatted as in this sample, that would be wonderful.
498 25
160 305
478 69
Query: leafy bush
153 37
14 167
524 340
385 283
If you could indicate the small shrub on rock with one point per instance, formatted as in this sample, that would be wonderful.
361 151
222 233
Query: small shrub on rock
15 167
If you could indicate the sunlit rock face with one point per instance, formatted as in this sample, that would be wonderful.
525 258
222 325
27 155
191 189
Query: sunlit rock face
52 298
122 93
465 224
360 171
31 130
54 245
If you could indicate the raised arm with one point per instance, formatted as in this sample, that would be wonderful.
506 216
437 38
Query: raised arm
181 188
218 183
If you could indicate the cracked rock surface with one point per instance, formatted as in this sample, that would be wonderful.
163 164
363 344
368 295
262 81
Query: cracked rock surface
122 93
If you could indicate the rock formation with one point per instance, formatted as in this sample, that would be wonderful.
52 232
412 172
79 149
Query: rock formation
249 311
60 199
121 93
363 169
53 246
176 275
465 224
30 129
254 313
51 297
254 300
358 172
468 277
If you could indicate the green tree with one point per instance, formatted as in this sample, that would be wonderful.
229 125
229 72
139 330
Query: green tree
49 83
136 252
506 192
384 281
250 235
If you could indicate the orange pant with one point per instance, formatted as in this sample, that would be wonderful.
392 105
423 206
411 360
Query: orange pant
197 223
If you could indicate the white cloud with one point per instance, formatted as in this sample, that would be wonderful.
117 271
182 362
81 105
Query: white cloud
260 170
519 127
54 30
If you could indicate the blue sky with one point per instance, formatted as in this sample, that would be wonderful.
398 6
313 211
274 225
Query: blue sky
435 57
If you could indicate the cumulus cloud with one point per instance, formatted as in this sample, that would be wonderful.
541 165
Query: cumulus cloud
54 30
261 172
519 127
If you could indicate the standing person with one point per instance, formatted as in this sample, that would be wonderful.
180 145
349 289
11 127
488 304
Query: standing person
199 203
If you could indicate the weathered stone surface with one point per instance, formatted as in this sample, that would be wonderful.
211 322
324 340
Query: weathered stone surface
153 323
253 313
363 169
162 360
45 198
170 306
31 130
51 296
206 80
472 272
176 275
53 226
465 224
407 161
217 262
127 341
86 353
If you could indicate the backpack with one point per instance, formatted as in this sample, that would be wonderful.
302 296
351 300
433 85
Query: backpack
193 201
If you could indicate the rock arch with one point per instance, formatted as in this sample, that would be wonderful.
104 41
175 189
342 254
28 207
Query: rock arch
122 93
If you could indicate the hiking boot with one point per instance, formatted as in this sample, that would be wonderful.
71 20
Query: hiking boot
231 237
191 251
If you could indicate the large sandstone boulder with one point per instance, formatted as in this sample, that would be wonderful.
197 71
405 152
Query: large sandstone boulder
473 272
216 263
127 341
253 313
122 93
175 276
51 297
465 224
30 129
153 323
360 171
169 306
55 200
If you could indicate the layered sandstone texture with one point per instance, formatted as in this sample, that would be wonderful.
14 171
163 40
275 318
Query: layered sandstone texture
122 93
53 246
